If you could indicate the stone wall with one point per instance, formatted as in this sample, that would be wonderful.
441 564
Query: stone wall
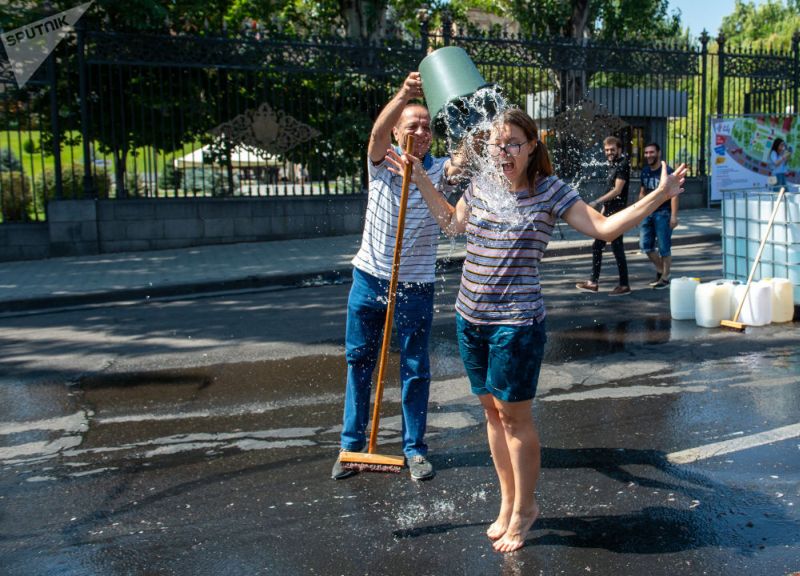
76 227
73 227
127 225
24 241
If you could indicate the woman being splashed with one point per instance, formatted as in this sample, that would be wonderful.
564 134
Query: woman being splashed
500 313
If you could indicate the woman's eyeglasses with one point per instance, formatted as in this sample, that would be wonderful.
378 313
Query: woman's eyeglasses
509 149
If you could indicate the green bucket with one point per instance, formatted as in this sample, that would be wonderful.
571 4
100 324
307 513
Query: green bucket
449 79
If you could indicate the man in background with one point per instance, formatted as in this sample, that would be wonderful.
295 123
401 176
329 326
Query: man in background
614 200
658 226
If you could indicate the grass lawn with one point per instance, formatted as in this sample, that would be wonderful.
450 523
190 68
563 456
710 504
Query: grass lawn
140 160
27 149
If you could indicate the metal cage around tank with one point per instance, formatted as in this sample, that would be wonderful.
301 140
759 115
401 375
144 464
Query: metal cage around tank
745 219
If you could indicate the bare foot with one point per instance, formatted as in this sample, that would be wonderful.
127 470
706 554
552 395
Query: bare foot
499 526
517 531
497 529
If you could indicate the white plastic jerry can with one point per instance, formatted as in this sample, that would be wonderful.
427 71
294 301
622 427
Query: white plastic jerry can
782 300
757 308
712 303
681 298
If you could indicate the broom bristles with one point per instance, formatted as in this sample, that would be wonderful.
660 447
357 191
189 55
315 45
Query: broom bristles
369 458
368 462
364 467
737 326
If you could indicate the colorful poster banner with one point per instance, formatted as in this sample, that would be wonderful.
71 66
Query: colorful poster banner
740 151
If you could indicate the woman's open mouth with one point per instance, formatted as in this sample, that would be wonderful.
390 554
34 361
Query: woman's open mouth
507 167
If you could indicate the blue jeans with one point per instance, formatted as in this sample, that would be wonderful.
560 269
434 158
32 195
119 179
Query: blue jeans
656 227
366 315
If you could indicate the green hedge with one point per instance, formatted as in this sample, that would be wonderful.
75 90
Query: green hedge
15 197
71 183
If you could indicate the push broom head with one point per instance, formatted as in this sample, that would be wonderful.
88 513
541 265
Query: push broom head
733 325
366 462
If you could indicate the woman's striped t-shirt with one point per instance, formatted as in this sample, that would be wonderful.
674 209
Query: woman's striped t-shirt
500 277
421 232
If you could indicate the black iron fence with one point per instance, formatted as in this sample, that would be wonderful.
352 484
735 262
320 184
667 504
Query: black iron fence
114 115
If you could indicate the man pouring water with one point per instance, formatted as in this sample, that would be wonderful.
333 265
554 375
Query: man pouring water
372 268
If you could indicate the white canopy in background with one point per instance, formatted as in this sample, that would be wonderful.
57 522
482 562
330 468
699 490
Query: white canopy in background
241 157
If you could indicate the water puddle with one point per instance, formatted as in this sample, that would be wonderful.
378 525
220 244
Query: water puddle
597 340
269 406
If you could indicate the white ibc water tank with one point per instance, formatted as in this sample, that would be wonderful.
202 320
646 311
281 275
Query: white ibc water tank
782 300
681 297
712 303
757 308
793 210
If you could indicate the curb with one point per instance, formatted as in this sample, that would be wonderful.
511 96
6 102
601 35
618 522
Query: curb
280 281
285 281
577 247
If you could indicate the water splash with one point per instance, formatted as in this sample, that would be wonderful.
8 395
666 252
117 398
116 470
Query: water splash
576 153
467 122
592 167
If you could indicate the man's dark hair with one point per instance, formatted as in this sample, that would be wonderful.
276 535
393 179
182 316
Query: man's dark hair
654 145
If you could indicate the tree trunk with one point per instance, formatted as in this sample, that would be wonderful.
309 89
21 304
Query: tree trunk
571 84
574 82
579 19
229 188
365 19
119 171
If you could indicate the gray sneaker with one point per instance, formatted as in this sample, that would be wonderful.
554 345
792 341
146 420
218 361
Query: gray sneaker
339 472
420 467
661 284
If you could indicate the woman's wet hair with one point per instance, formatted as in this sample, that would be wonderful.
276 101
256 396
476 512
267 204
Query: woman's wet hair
539 160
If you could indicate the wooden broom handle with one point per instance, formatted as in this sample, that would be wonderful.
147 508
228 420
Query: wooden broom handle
758 254
387 329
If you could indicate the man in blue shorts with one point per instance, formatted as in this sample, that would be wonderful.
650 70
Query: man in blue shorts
657 227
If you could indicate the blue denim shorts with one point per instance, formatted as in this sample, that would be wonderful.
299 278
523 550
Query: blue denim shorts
502 360
655 227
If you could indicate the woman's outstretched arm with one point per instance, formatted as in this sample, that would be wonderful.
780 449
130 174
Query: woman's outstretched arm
590 222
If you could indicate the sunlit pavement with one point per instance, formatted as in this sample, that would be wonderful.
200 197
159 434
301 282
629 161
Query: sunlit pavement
196 436
139 276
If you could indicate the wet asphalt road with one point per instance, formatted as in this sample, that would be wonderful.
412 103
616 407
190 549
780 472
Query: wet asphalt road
195 436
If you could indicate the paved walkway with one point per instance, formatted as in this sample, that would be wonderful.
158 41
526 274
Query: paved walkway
57 282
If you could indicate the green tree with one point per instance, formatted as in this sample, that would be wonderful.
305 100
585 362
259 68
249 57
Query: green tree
119 108
770 24
9 162
580 19
284 17
195 16
366 20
